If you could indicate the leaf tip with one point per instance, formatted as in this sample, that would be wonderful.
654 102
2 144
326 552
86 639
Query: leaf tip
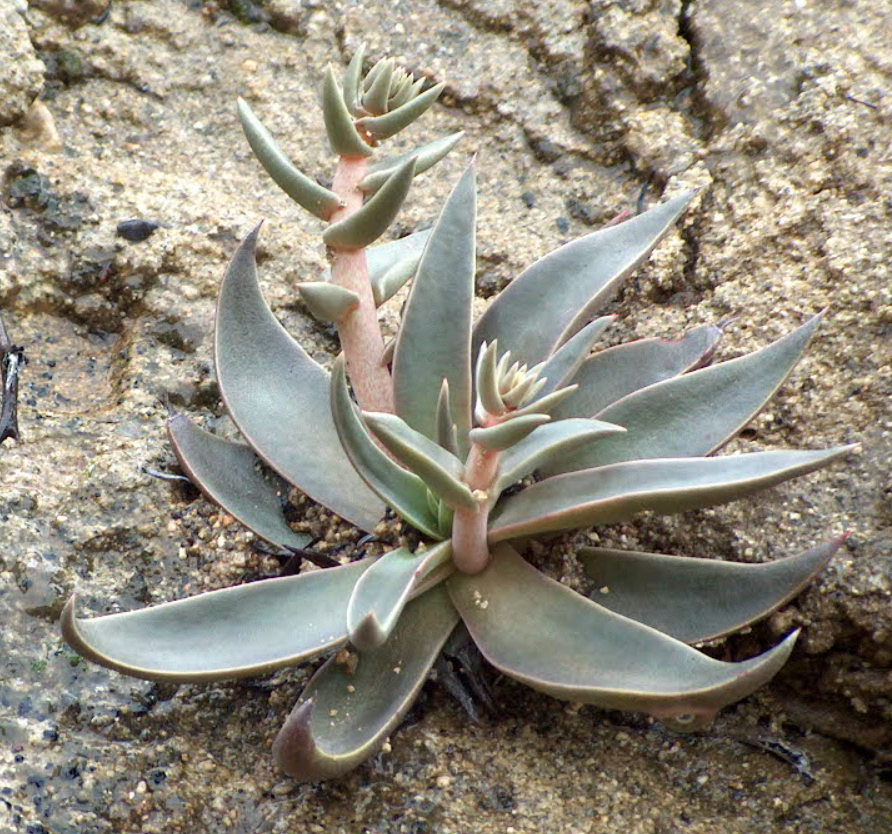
294 744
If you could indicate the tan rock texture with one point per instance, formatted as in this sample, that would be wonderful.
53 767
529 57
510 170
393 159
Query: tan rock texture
779 109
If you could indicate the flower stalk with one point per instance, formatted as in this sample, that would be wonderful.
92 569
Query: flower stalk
358 330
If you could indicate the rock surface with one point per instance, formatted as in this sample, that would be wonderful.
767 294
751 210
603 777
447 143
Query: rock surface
22 77
780 109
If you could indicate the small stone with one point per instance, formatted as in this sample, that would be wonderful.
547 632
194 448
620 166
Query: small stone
136 230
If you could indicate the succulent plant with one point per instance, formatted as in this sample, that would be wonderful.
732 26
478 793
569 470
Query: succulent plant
449 416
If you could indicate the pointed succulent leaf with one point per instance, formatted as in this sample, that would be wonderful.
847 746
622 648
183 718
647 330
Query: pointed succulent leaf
374 99
370 221
694 599
527 388
612 374
427 155
345 714
384 589
327 302
383 127
548 303
227 473
547 636
563 364
486 380
400 92
696 413
343 137
298 186
610 494
508 433
392 281
384 256
353 79
555 439
445 516
446 434
543 405
439 469
379 67
275 393
435 334
236 632
404 491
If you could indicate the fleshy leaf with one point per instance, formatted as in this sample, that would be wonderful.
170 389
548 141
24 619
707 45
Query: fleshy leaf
610 494
345 714
277 396
343 137
236 632
550 301
381 258
565 361
694 599
352 79
383 591
400 92
696 413
392 281
504 435
383 127
227 474
544 404
298 186
486 380
374 99
439 469
555 439
370 221
327 302
446 434
427 156
547 636
379 67
435 334
612 374
400 489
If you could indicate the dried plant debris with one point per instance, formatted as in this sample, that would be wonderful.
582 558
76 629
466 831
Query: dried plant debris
12 360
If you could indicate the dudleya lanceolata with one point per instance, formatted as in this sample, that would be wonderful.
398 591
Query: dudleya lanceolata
449 416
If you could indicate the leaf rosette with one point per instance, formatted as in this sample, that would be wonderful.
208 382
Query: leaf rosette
475 408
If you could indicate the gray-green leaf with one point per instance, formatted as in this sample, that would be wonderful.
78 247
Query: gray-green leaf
427 156
383 127
434 341
696 413
298 186
237 632
400 489
371 220
228 474
612 374
327 302
343 136
547 636
698 599
439 469
384 589
550 301
278 397
345 714
555 439
609 494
